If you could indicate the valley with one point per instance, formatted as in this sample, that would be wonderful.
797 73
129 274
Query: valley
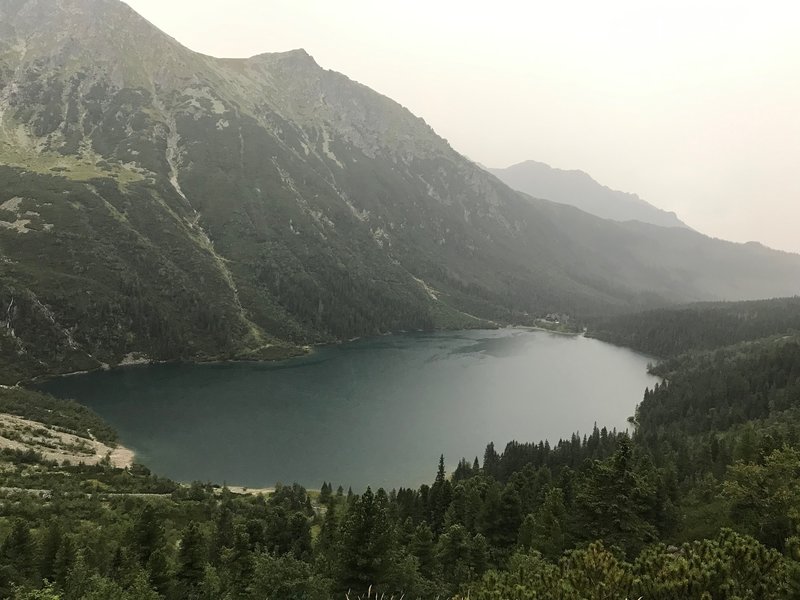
260 272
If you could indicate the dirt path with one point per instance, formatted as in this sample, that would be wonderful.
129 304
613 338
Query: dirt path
238 489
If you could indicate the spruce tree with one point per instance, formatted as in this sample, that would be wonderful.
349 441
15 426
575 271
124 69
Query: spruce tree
549 525
158 572
147 535
366 543
191 560
491 461
509 519
441 494
614 500
65 558
18 552
421 545
222 536
325 493
142 589
327 547
454 555
236 562
78 580
49 551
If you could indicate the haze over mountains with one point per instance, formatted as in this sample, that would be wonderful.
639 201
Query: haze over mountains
159 202
578 189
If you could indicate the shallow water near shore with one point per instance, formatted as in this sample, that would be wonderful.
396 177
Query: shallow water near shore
373 412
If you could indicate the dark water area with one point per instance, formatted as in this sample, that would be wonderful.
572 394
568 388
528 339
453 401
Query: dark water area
376 412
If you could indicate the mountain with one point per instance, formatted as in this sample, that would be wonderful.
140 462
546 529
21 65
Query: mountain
160 204
578 189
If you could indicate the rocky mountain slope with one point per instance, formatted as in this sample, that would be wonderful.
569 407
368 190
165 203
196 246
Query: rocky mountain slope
159 203
578 189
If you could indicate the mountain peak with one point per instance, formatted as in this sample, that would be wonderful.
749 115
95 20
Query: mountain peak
579 189
291 61
65 36
298 55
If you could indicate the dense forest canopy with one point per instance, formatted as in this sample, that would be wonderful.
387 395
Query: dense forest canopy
670 331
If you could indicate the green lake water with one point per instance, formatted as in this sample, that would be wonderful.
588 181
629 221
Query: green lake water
374 412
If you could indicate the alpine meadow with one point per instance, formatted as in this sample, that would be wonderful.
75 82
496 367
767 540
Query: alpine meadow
475 383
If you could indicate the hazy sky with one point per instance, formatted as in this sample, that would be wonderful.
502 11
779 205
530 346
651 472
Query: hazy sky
695 105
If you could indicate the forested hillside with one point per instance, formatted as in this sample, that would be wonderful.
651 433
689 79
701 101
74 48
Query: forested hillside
670 331
699 502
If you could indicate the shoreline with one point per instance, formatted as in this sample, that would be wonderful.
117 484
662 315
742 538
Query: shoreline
292 352
22 383
555 331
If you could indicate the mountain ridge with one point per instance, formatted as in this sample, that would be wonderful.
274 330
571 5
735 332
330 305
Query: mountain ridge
188 207
577 188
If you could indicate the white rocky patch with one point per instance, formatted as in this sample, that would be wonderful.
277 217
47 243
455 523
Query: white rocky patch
20 223
135 358
12 204
361 215
217 106
380 236
321 219
286 179
428 289
432 193
173 155
134 167
326 149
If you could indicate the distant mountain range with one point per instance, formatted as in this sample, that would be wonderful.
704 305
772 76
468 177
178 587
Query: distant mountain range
157 203
578 189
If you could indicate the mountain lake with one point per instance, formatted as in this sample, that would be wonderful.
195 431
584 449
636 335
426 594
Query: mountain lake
373 412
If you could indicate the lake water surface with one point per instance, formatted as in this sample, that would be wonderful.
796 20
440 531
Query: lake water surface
375 412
